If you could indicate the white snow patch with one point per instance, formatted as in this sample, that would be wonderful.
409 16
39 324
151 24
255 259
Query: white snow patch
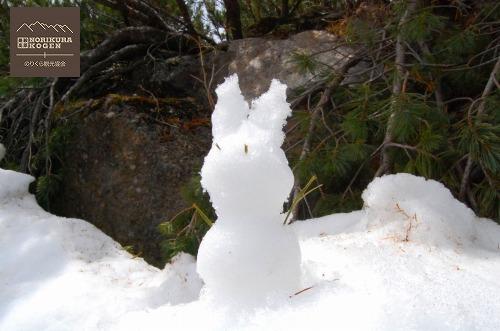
413 258
65 274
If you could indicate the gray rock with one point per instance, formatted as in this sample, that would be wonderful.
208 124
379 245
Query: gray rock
124 175
257 60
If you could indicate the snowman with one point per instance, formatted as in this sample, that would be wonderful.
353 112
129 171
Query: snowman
248 255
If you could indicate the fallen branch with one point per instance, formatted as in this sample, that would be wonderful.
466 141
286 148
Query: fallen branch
94 69
119 39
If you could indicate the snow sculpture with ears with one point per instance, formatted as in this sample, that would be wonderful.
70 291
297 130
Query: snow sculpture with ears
248 255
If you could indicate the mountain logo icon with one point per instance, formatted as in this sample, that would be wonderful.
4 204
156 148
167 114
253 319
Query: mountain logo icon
40 26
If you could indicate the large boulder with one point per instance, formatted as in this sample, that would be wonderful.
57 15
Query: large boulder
123 173
259 60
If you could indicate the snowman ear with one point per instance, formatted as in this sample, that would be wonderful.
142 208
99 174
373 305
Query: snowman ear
231 108
270 111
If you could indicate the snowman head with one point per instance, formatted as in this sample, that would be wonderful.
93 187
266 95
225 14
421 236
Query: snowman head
246 172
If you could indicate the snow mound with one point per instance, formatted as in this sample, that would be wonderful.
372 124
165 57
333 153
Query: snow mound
411 208
413 258
65 274
14 184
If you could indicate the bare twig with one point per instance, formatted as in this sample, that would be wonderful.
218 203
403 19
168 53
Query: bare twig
301 291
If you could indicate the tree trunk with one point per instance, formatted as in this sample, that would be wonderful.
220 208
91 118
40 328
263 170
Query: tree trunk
397 88
464 185
284 8
186 16
233 18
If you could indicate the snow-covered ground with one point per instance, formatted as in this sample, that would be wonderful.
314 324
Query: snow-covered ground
413 258
65 274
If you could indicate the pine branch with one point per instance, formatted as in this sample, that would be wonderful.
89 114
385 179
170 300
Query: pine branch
315 115
480 110
438 92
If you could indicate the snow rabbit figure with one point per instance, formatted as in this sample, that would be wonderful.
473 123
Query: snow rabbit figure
248 254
